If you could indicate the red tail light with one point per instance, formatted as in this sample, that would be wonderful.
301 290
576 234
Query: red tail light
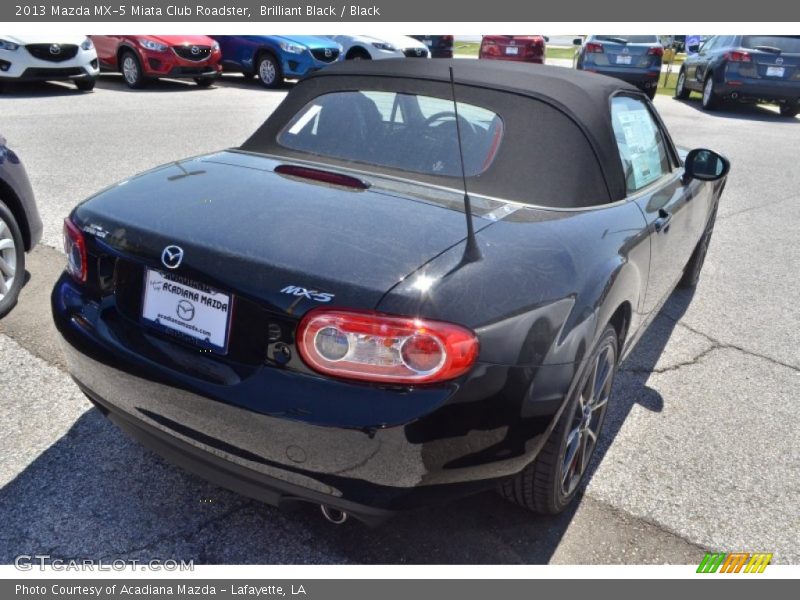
594 48
75 248
447 38
738 56
656 51
322 176
371 346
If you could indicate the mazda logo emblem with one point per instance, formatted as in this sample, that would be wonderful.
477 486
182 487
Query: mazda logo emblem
172 256
625 51
195 50
55 49
779 61
419 51
328 52
185 310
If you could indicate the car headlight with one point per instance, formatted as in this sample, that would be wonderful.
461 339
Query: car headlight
151 45
6 45
87 44
292 48
384 46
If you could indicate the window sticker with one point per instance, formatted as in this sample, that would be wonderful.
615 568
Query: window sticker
639 134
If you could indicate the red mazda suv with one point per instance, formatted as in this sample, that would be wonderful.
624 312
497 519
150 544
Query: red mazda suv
143 57
523 48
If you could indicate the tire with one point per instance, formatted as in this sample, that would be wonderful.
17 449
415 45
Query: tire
789 110
12 260
205 82
86 85
691 272
248 76
358 54
711 101
269 71
540 487
131 70
681 91
651 93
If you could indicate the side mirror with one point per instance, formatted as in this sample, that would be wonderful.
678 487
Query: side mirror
705 165
694 48
577 42
546 38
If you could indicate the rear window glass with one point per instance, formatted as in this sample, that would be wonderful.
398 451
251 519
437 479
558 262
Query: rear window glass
788 44
408 132
631 39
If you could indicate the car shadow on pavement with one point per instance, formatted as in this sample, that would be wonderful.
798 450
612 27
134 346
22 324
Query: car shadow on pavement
39 89
113 82
95 493
252 83
740 111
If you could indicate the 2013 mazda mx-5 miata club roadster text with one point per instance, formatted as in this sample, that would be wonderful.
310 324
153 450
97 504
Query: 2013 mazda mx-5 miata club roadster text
326 314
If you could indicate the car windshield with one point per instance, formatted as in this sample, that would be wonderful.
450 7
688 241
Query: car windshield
784 43
402 131
630 39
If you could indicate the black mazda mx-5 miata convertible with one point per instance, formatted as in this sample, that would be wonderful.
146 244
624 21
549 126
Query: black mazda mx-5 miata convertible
326 314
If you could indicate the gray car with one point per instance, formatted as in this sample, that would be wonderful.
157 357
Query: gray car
20 225
744 68
632 58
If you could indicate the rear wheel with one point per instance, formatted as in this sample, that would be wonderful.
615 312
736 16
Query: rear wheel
549 484
86 85
269 71
711 101
12 260
789 110
131 70
681 91
651 92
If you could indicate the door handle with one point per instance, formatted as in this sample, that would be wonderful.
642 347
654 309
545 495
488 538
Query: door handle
662 222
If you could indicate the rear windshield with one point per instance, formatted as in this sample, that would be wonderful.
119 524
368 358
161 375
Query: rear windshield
784 43
396 130
630 39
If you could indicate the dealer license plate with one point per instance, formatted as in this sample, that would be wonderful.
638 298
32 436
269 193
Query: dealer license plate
512 50
175 303
623 59
775 71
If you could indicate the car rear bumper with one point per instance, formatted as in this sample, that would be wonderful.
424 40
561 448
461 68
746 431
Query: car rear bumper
642 78
773 91
454 447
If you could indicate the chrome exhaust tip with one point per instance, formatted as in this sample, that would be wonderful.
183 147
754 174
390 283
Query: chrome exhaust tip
333 515
735 96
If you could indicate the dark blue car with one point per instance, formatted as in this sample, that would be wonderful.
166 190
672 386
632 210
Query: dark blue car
744 68
275 57
20 225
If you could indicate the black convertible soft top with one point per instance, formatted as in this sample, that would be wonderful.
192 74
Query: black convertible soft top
564 156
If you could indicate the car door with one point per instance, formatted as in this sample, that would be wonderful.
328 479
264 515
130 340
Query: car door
654 181
703 60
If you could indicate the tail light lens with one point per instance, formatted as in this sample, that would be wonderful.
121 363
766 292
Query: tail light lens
738 56
594 48
656 51
447 38
370 346
322 176
75 249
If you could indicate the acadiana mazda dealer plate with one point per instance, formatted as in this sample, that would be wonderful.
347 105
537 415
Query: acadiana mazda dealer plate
193 309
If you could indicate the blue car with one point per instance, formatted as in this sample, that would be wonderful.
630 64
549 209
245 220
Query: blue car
276 57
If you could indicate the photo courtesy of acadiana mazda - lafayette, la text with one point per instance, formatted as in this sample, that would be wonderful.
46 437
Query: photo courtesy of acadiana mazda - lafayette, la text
20 225
275 58
48 58
325 313
143 57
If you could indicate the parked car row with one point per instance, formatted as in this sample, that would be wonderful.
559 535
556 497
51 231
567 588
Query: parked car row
272 58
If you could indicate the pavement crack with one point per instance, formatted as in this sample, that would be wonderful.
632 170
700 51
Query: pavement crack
687 363
187 535
752 208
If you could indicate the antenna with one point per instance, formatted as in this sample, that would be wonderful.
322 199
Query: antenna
472 252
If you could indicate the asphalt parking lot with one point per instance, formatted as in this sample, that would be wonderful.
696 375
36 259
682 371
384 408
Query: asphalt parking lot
701 447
